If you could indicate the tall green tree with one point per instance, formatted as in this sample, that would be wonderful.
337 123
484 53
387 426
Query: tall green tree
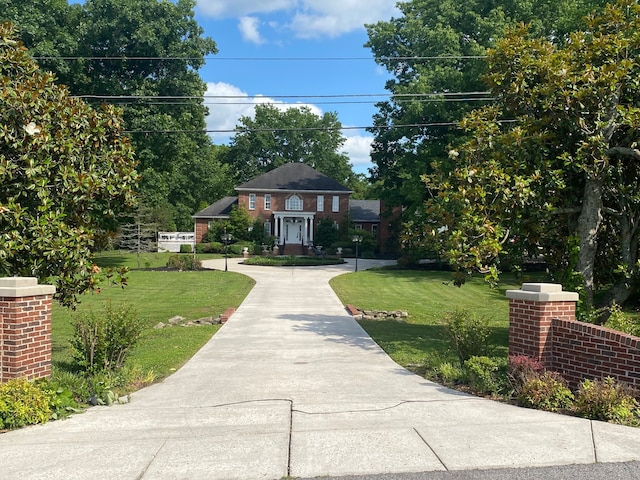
436 48
565 171
64 166
275 137
47 28
130 52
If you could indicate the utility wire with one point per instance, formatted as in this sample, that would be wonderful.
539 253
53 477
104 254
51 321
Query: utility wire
342 95
302 129
266 59
363 102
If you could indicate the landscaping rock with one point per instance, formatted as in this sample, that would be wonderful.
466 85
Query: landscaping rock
205 321
398 315
159 326
176 320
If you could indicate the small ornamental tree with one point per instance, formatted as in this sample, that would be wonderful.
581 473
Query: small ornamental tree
64 169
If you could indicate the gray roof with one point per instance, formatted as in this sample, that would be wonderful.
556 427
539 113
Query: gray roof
364 210
294 176
219 209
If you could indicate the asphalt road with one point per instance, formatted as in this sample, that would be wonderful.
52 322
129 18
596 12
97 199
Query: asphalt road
600 471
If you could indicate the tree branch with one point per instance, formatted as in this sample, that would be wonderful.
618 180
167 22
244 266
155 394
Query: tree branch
624 151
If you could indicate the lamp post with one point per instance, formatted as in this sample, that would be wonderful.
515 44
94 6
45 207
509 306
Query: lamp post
357 239
226 238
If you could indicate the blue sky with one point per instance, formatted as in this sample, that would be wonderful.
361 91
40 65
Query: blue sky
300 29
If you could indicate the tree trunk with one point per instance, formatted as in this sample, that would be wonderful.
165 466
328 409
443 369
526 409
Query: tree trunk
588 227
622 290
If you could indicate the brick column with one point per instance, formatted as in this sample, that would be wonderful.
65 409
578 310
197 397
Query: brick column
25 328
531 311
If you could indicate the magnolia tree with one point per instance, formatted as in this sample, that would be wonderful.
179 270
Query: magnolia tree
552 169
64 168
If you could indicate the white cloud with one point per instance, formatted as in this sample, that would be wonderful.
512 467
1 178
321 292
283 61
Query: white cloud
308 18
358 149
238 8
225 113
248 27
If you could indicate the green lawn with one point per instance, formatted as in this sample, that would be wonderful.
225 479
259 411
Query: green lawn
157 296
425 295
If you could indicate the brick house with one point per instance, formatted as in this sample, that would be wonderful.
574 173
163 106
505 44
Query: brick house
291 200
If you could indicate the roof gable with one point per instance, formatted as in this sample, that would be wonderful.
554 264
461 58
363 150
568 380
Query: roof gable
364 210
294 176
221 208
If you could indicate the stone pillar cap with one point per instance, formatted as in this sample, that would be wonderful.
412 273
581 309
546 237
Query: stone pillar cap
15 287
542 292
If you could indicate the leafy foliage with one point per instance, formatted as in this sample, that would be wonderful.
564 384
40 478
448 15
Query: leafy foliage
547 391
64 167
161 47
22 403
434 49
608 400
326 233
468 334
183 263
103 341
623 323
275 137
562 167
487 375
521 369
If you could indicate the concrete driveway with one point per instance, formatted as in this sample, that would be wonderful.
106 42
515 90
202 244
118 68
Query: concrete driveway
292 386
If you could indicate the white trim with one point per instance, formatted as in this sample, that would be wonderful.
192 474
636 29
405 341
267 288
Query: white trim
276 190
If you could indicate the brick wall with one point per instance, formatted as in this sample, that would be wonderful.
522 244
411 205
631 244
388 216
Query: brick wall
582 350
25 328
542 325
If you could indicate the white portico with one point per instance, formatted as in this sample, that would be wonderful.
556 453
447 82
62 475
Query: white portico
293 228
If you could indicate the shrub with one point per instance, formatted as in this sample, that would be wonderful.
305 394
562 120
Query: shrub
609 401
62 401
186 249
236 249
467 333
623 323
183 262
22 403
445 373
487 375
102 342
547 391
521 369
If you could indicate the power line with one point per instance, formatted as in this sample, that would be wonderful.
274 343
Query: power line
301 129
265 59
340 95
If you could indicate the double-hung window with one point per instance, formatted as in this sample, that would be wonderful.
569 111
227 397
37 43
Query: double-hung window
252 201
335 205
267 201
320 206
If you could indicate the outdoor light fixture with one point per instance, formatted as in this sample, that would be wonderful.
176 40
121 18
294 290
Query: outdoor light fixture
357 239
226 238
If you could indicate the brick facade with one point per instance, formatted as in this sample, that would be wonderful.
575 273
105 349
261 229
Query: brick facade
25 328
309 204
542 325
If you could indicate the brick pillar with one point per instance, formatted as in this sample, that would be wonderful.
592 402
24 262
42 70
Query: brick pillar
25 328
531 311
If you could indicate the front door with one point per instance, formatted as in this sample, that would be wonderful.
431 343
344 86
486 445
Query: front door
293 231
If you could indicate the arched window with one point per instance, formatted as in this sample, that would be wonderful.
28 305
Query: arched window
294 202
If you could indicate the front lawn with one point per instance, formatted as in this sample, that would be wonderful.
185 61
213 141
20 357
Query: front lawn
156 296
426 296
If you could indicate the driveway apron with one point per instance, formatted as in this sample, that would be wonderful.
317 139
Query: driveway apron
292 386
